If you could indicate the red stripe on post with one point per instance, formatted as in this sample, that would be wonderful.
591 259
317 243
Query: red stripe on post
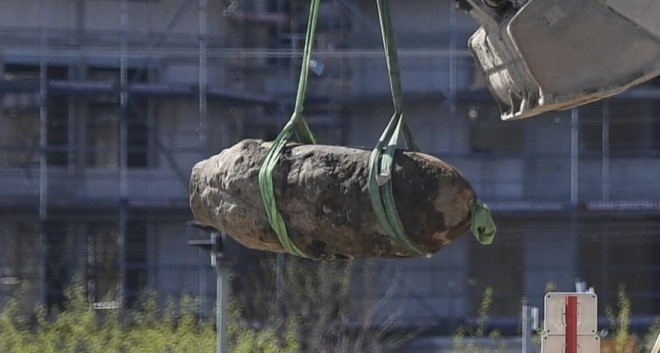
571 324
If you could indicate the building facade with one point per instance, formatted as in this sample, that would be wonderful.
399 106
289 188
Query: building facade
107 105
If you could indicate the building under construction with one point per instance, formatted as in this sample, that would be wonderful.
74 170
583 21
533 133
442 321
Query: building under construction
107 104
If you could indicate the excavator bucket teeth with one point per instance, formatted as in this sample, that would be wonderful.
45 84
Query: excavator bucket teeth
557 54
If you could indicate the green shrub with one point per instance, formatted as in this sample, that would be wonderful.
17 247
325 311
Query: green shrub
314 302
78 328
461 345
314 315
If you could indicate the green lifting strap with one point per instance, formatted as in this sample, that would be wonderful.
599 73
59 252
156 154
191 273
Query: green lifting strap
483 226
298 125
381 162
382 158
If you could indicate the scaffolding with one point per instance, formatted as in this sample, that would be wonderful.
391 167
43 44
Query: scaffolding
106 119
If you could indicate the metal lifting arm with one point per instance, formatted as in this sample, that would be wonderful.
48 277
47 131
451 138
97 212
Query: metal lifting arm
541 55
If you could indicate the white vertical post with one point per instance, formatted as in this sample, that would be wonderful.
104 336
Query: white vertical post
528 328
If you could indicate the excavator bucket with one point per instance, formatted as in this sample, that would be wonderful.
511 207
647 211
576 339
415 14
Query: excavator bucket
542 55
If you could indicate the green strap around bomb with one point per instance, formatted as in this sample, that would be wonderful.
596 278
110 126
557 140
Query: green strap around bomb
298 125
382 158
381 162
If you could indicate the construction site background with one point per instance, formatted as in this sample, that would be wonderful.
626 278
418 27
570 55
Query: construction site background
107 104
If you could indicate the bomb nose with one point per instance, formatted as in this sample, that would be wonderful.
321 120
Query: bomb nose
196 200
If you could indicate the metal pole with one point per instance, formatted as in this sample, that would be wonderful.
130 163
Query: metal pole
222 293
605 260
527 343
222 299
281 115
3 269
71 104
71 134
123 153
452 57
453 78
201 287
574 232
526 334
606 152
152 156
215 245
43 155
202 82
574 156
202 78
452 114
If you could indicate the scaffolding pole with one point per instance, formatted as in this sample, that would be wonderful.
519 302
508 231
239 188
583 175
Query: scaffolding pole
605 172
151 42
574 192
202 83
281 115
202 78
605 190
575 129
43 155
453 298
72 74
452 58
151 105
123 151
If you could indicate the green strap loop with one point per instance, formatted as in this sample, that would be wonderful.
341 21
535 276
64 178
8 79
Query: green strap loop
392 59
381 162
301 128
297 125
483 226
